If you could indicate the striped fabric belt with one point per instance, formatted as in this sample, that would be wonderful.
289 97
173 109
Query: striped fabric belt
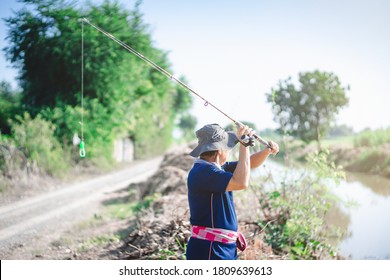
219 235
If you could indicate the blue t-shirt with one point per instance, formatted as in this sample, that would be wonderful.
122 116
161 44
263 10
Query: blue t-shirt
211 206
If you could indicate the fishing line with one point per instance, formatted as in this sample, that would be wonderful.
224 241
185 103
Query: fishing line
82 145
170 76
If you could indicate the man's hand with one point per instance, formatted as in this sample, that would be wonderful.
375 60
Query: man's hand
244 130
274 148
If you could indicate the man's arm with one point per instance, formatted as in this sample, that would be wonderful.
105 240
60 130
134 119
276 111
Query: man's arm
258 158
241 175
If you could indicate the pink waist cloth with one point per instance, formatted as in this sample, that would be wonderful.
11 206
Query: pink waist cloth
219 235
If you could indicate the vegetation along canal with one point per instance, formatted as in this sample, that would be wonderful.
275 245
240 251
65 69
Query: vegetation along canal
362 214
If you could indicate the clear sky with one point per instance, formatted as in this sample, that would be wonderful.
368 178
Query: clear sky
233 52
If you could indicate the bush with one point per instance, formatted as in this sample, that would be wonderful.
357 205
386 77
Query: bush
293 211
99 131
36 136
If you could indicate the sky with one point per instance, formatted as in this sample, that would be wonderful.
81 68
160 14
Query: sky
233 52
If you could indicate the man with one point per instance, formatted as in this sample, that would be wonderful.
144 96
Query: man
211 183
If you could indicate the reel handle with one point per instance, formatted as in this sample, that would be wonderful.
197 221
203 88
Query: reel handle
257 137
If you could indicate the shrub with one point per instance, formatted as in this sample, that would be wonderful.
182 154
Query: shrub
99 131
36 136
293 211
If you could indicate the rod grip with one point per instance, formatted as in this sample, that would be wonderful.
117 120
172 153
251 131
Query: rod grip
262 141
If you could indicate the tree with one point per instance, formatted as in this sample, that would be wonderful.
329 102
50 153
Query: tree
307 110
187 124
340 130
45 46
9 103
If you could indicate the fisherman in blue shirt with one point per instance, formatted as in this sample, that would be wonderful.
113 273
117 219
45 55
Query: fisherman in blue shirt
211 183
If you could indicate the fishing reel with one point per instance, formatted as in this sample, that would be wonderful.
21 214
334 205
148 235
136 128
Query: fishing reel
247 141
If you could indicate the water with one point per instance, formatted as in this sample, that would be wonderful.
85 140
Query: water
365 216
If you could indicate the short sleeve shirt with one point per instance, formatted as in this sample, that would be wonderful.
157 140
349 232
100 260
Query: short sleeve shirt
211 206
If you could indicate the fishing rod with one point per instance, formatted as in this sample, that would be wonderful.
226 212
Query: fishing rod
170 76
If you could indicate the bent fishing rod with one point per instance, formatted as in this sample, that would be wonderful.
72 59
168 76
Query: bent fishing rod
170 76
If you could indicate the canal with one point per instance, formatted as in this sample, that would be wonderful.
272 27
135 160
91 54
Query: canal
365 216
363 213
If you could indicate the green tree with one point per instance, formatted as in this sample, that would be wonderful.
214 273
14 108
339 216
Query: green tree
307 110
182 102
182 97
45 45
120 90
9 105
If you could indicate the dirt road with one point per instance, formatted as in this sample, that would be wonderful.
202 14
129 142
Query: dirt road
24 221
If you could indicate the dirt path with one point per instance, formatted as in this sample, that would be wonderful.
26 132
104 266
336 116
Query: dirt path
45 215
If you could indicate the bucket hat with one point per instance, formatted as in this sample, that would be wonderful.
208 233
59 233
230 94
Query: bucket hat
213 137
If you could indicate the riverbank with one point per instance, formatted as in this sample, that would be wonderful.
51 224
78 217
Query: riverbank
363 159
375 161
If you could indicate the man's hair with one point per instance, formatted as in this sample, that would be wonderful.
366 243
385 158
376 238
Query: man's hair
208 154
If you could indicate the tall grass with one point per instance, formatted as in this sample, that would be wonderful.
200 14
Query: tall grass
372 138
373 158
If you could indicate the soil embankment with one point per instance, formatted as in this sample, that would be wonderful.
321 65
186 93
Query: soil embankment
162 230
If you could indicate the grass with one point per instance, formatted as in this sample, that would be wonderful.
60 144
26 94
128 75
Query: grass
121 209
100 241
364 152
363 139
372 138
345 141
114 210
3 187
62 242
95 221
